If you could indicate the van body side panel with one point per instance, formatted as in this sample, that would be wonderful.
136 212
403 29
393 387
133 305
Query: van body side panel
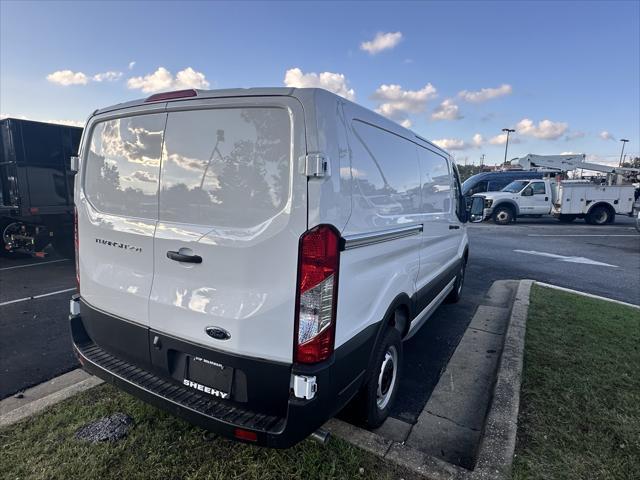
386 197
231 193
438 252
330 196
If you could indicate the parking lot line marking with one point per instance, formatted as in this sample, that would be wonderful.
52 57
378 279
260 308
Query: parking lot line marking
34 264
35 297
562 258
576 235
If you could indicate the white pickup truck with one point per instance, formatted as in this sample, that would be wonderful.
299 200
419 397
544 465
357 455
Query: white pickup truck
566 200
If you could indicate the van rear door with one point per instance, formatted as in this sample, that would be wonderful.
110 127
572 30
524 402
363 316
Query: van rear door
117 205
231 211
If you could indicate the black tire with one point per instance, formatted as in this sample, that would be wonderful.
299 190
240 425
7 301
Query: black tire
599 215
372 406
503 215
455 294
566 218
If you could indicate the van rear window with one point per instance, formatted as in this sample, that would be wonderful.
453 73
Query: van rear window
225 167
123 165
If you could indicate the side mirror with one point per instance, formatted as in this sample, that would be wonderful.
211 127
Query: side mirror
476 212
527 192
74 164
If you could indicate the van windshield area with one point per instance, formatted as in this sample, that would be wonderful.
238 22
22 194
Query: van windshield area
515 186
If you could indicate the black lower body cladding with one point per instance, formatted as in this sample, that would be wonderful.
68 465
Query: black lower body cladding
151 366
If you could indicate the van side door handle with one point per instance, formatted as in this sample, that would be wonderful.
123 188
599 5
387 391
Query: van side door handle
454 227
181 257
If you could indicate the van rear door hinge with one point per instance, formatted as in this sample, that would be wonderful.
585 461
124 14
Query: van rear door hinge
315 165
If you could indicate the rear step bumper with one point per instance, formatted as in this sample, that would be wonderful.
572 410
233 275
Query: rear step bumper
302 417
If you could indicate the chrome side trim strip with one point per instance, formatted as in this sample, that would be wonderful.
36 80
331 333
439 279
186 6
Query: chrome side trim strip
363 239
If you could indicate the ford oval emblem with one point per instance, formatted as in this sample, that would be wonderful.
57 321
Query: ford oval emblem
218 333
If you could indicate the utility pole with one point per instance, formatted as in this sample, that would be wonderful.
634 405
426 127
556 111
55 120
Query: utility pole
482 161
506 145
623 140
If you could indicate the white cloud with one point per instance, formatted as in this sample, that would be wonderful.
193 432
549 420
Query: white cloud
450 143
334 82
545 130
604 135
109 76
132 64
162 79
68 77
72 123
485 94
406 123
502 139
447 110
382 41
477 140
394 102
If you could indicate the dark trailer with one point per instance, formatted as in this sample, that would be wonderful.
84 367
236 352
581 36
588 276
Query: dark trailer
36 186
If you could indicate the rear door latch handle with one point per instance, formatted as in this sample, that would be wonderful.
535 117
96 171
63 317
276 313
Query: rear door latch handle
181 257
454 227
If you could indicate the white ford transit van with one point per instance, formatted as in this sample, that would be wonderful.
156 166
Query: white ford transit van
251 260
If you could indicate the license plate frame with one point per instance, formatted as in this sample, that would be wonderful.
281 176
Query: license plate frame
217 377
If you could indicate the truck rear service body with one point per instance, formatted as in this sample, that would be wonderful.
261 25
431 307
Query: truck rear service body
36 185
251 259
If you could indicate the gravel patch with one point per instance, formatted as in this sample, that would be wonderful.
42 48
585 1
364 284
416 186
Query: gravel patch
107 429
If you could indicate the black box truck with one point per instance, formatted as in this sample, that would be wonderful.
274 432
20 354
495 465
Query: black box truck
36 186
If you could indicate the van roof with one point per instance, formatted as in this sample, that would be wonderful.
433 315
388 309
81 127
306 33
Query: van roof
266 92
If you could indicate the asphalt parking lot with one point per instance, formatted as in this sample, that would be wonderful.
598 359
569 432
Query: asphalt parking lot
34 298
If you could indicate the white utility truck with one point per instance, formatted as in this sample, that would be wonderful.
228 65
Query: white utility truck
596 199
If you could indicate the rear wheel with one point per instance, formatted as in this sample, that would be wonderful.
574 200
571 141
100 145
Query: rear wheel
377 396
599 215
503 215
566 218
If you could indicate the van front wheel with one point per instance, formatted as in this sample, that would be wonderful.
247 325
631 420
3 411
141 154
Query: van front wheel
379 393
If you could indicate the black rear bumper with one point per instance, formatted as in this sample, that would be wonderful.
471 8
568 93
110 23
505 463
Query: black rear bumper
278 426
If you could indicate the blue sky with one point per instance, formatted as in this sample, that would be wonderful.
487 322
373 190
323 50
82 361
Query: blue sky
565 75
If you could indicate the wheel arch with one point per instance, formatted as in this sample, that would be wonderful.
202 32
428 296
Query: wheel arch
507 203
398 315
607 205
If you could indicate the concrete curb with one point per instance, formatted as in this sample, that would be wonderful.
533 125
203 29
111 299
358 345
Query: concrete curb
495 455
495 452
45 395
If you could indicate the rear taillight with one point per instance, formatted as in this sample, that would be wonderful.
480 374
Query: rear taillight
76 241
318 261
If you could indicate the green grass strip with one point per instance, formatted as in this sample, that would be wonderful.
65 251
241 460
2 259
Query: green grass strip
580 400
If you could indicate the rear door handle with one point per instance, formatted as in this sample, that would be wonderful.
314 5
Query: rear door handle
454 227
181 257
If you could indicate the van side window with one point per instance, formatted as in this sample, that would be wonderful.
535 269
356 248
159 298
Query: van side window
385 170
123 165
497 185
225 166
436 183
480 187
